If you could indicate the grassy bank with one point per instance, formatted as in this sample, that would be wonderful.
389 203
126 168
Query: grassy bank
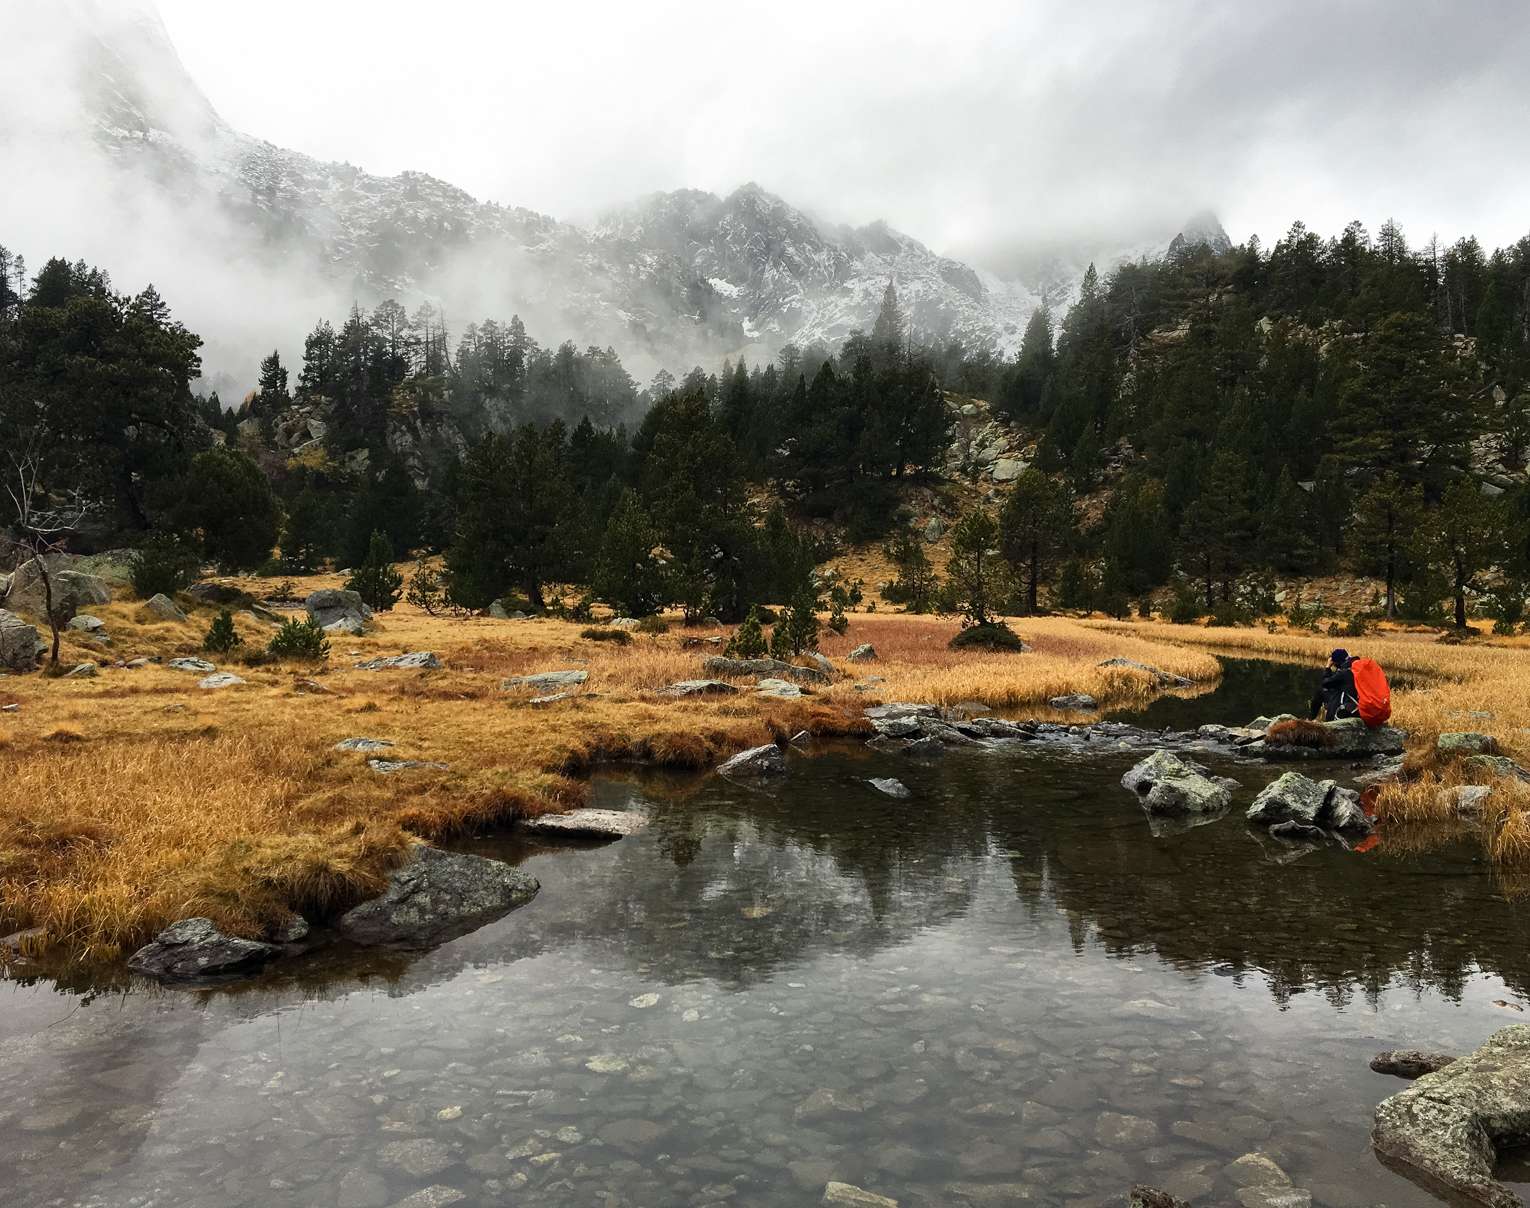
135 798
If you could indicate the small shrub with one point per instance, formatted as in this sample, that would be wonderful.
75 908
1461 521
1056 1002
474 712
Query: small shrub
1145 608
425 591
1185 606
1356 627
375 580
303 639
797 630
270 568
997 637
748 640
163 565
221 634
617 637
653 625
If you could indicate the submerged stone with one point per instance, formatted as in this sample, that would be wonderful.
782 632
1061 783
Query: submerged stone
1409 1063
436 896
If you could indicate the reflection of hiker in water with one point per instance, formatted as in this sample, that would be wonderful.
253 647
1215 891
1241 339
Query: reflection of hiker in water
1336 696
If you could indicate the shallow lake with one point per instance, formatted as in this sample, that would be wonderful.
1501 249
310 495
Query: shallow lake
1004 989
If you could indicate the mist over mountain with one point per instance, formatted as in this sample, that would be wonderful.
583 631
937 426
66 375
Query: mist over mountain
252 242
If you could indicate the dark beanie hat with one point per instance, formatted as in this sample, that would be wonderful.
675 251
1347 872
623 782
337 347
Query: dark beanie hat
1339 657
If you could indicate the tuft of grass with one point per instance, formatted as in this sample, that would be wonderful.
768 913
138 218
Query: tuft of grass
64 734
1299 733
617 637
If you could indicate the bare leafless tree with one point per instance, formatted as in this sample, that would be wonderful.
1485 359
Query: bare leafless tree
41 524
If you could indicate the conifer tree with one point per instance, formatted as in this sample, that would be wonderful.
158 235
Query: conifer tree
1386 520
974 574
628 574
375 580
1035 526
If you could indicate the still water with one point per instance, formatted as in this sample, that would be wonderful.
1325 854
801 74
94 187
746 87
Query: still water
1003 990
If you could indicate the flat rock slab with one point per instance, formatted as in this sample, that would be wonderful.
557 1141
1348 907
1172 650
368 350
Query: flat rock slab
386 767
193 948
200 665
363 744
219 679
418 660
1444 1130
739 668
1079 702
778 689
700 687
586 824
544 681
436 896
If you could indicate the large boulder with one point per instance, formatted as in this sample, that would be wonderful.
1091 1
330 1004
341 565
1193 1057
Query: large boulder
757 761
162 608
194 948
1292 797
1347 738
72 589
19 643
1167 785
739 668
436 896
344 609
1444 1131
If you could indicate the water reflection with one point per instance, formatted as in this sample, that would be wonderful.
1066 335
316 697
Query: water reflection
1004 988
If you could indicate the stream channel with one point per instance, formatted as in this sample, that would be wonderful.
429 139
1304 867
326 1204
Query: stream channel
1004 989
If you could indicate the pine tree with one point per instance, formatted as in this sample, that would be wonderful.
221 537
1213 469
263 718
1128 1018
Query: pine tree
748 640
375 580
1035 526
974 574
891 327
272 393
1215 536
222 637
628 574
915 586
1461 537
1386 520
424 591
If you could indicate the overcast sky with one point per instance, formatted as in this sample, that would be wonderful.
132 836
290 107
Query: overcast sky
975 126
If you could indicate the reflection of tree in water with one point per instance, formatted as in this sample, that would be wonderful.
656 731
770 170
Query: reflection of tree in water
1217 896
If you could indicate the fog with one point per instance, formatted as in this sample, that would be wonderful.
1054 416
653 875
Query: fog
980 127
994 132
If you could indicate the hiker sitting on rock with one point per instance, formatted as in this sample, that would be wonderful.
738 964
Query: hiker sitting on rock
1335 696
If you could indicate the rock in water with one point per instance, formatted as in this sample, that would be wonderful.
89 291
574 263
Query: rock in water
19 643
194 948
1152 1197
586 824
1409 1063
436 896
850 1196
893 788
757 761
1080 702
1168 785
1292 797
345 609
1444 1130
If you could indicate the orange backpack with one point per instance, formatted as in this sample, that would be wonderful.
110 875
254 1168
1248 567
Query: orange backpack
1371 691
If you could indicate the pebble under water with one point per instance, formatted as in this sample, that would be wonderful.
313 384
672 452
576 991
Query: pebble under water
1002 989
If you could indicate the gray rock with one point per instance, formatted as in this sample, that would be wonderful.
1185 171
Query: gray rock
1274 1196
362 744
19 643
851 1196
1292 797
822 662
348 627
72 590
1444 1130
586 824
387 767
418 660
1495 765
626 624
1162 679
219 679
85 623
934 529
1256 1170
331 606
1166 785
194 948
1466 800
1466 743
544 680
1080 702
1348 737
778 689
1151 1197
163 608
757 761
191 664
893 788
1409 1063
864 653
83 671
554 698
499 612
700 687
437 1196
436 896
898 709
361 1189
1007 469
1302 831
741 668
222 594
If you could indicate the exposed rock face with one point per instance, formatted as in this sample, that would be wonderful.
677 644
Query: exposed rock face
1162 679
344 609
543 680
1293 797
1409 1063
586 824
194 948
436 896
72 589
739 668
1346 738
1443 1131
1167 785
419 660
163 608
700 687
757 761
19 643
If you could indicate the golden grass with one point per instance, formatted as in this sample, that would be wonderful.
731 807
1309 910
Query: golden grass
135 798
